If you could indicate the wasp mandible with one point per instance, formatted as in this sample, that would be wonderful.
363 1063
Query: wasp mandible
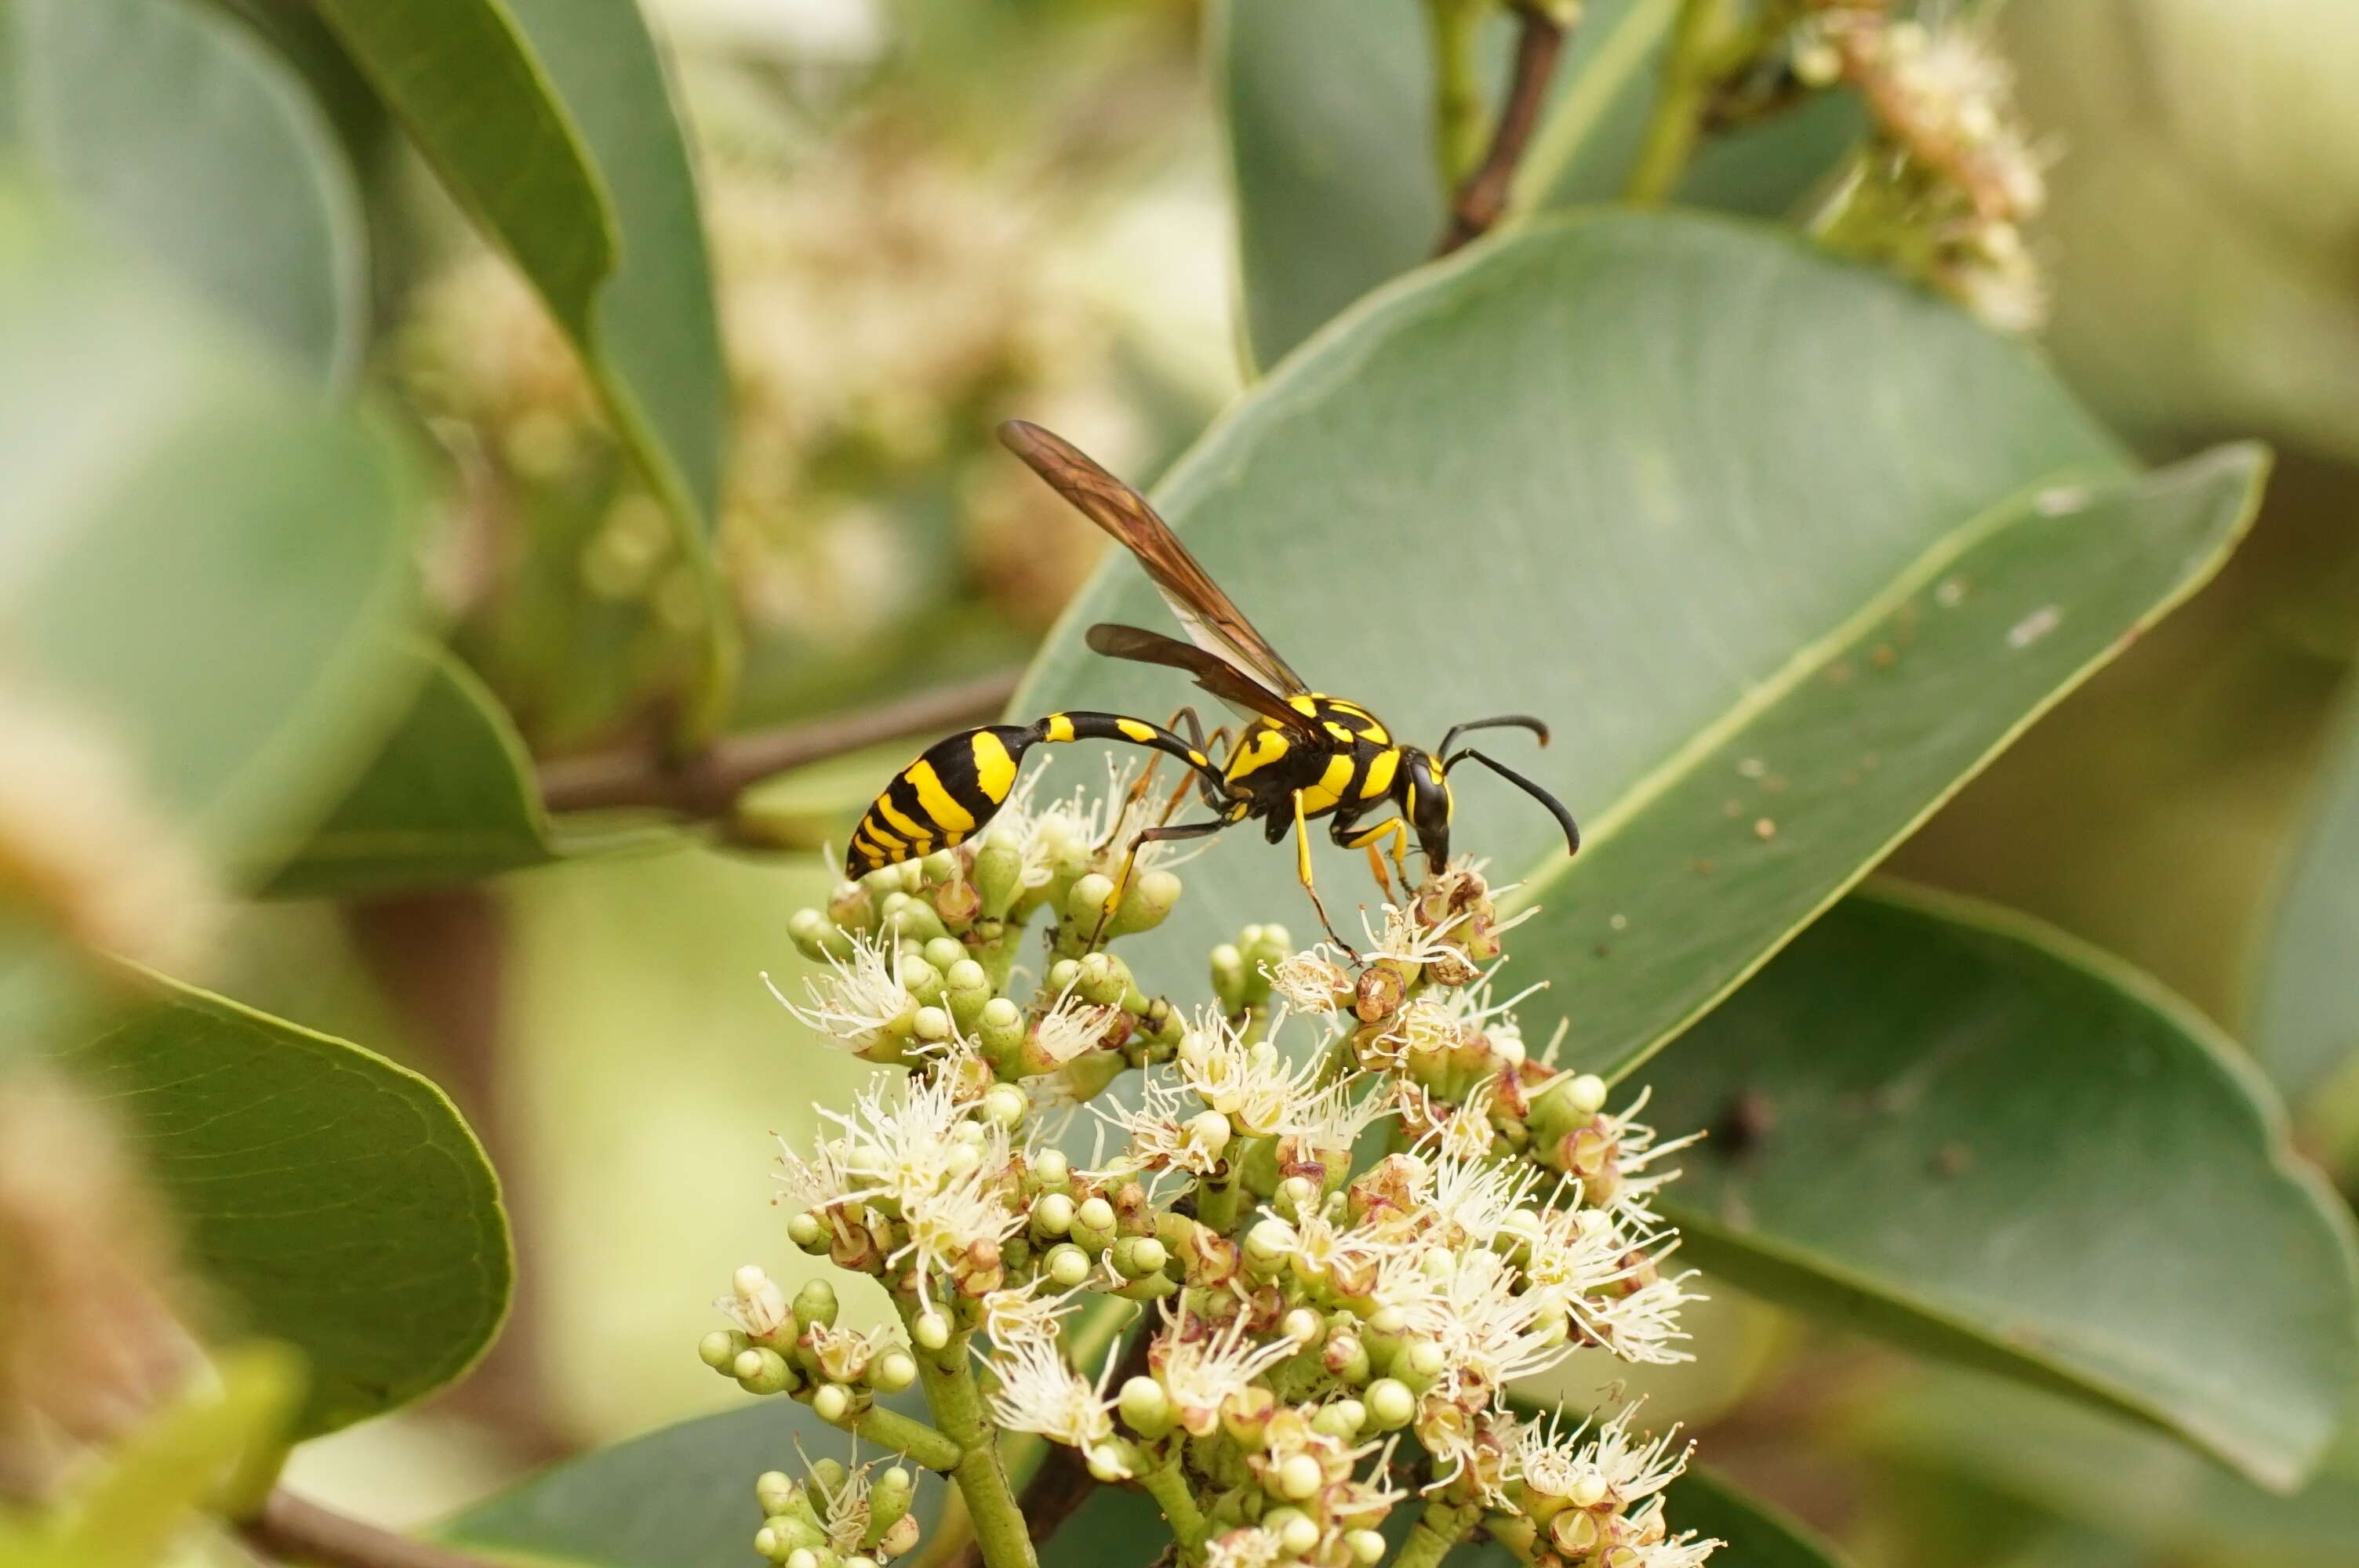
1301 755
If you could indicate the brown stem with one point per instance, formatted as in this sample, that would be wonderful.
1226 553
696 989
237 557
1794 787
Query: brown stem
1484 196
294 1530
708 784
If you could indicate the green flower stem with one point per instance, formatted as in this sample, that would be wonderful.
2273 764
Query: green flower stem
915 1441
1443 1526
1460 121
1168 1486
1519 1536
1698 38
1217 1198
947 1376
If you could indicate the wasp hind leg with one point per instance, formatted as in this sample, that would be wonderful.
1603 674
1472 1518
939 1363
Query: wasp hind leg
1169 833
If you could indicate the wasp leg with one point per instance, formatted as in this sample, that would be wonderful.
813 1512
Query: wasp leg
1350 835
1189 726
1302 870
1166 834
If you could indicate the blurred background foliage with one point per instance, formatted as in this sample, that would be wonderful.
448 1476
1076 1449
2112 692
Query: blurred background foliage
927 216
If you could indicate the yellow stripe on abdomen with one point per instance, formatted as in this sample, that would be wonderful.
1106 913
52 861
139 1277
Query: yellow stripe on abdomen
994 773
938 802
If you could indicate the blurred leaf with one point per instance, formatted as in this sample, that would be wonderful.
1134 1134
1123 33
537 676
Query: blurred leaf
680 1498
1719 507
1758 1535
2305 1016
1954 1128
450 799
198 148
551 121
204 560
2079 1464
336 1199
817 805
1329 117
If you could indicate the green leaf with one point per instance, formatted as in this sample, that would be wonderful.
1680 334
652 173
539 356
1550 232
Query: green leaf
1751 527
1954 1128
198 148
450 799
336 1199
2305 1016
205 561
1329 107
2080 1464
552 122
678 1498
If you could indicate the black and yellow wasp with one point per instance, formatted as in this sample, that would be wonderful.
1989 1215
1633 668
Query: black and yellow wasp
1302 756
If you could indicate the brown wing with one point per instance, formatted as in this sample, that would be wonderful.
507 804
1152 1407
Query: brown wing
1213 673
1213 623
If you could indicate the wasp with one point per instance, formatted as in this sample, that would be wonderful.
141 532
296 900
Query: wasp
1299 758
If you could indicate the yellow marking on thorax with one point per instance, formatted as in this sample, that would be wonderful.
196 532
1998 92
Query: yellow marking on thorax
1061 728
1142 734
1328 791
934 800
1381 768
1306 706
1258 751
994 773
1341 731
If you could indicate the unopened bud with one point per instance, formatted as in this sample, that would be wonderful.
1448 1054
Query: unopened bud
1088 902
1066 1265
775 1491
721 1348
1093 1225
893 1372
805 1231
818 937
1268 1246
931 1330
1004 1104
1298 1477
901 1538
1229 977
1135 1257
832 1403
1390 1404
1102 979
761 1370
1342 1420
1051 1171
1052 1215
998 874
815 1303
1297 1531
1146 1408
1302 1325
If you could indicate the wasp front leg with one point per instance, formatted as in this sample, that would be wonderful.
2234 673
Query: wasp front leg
1302 870
1388 836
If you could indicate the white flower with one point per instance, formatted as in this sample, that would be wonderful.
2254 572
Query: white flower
1408 940
1168 1133
1462 1132
1201 1373
1251 1546
1641 1325
1489 1327
1635 1468
1069 1030
1039 1392
1635 1150
859 999
1026 1314
1611 1470
1254 1086
1654 1547
843 1511
1472 1200
755 1303
1327 1124
1311 981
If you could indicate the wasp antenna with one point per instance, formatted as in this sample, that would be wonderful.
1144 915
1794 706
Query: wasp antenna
1501 722
1556 808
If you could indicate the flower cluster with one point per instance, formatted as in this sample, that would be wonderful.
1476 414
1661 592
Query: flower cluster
1949 178
1351 1209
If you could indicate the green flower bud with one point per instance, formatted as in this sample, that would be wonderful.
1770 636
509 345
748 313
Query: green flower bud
1004 1104
1066 1265
1303 1326
1229 977
721 1348
892 1371
1366 1546
1093 1227
931 1024
804 1557
1088 900
888 1498
1149 899
1051 1171
828 1475
806 1231
833 1402
1061 974
999 875
1297 1476
1346 1359
900 1538
966 991
1103 979
941 865
912 918
1244 1416
852 906
1390 1404
1418 1363
1000 1031
1269 1245
945 953
776 1493
931 1330
817 937
1146 1408
1135 1257
762 1370
1341 1418
1115 1461
1052 1215
815 1303
1297 1531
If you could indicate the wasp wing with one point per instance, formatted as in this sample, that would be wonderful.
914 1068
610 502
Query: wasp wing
1213 621
1213 673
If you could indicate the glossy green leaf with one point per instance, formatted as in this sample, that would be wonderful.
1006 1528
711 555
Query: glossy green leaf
205 562
1719 509
678 1498
552 122
194 145
1956 1128
335 1200
449 799
2305 1016
2080 1464
1329 108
